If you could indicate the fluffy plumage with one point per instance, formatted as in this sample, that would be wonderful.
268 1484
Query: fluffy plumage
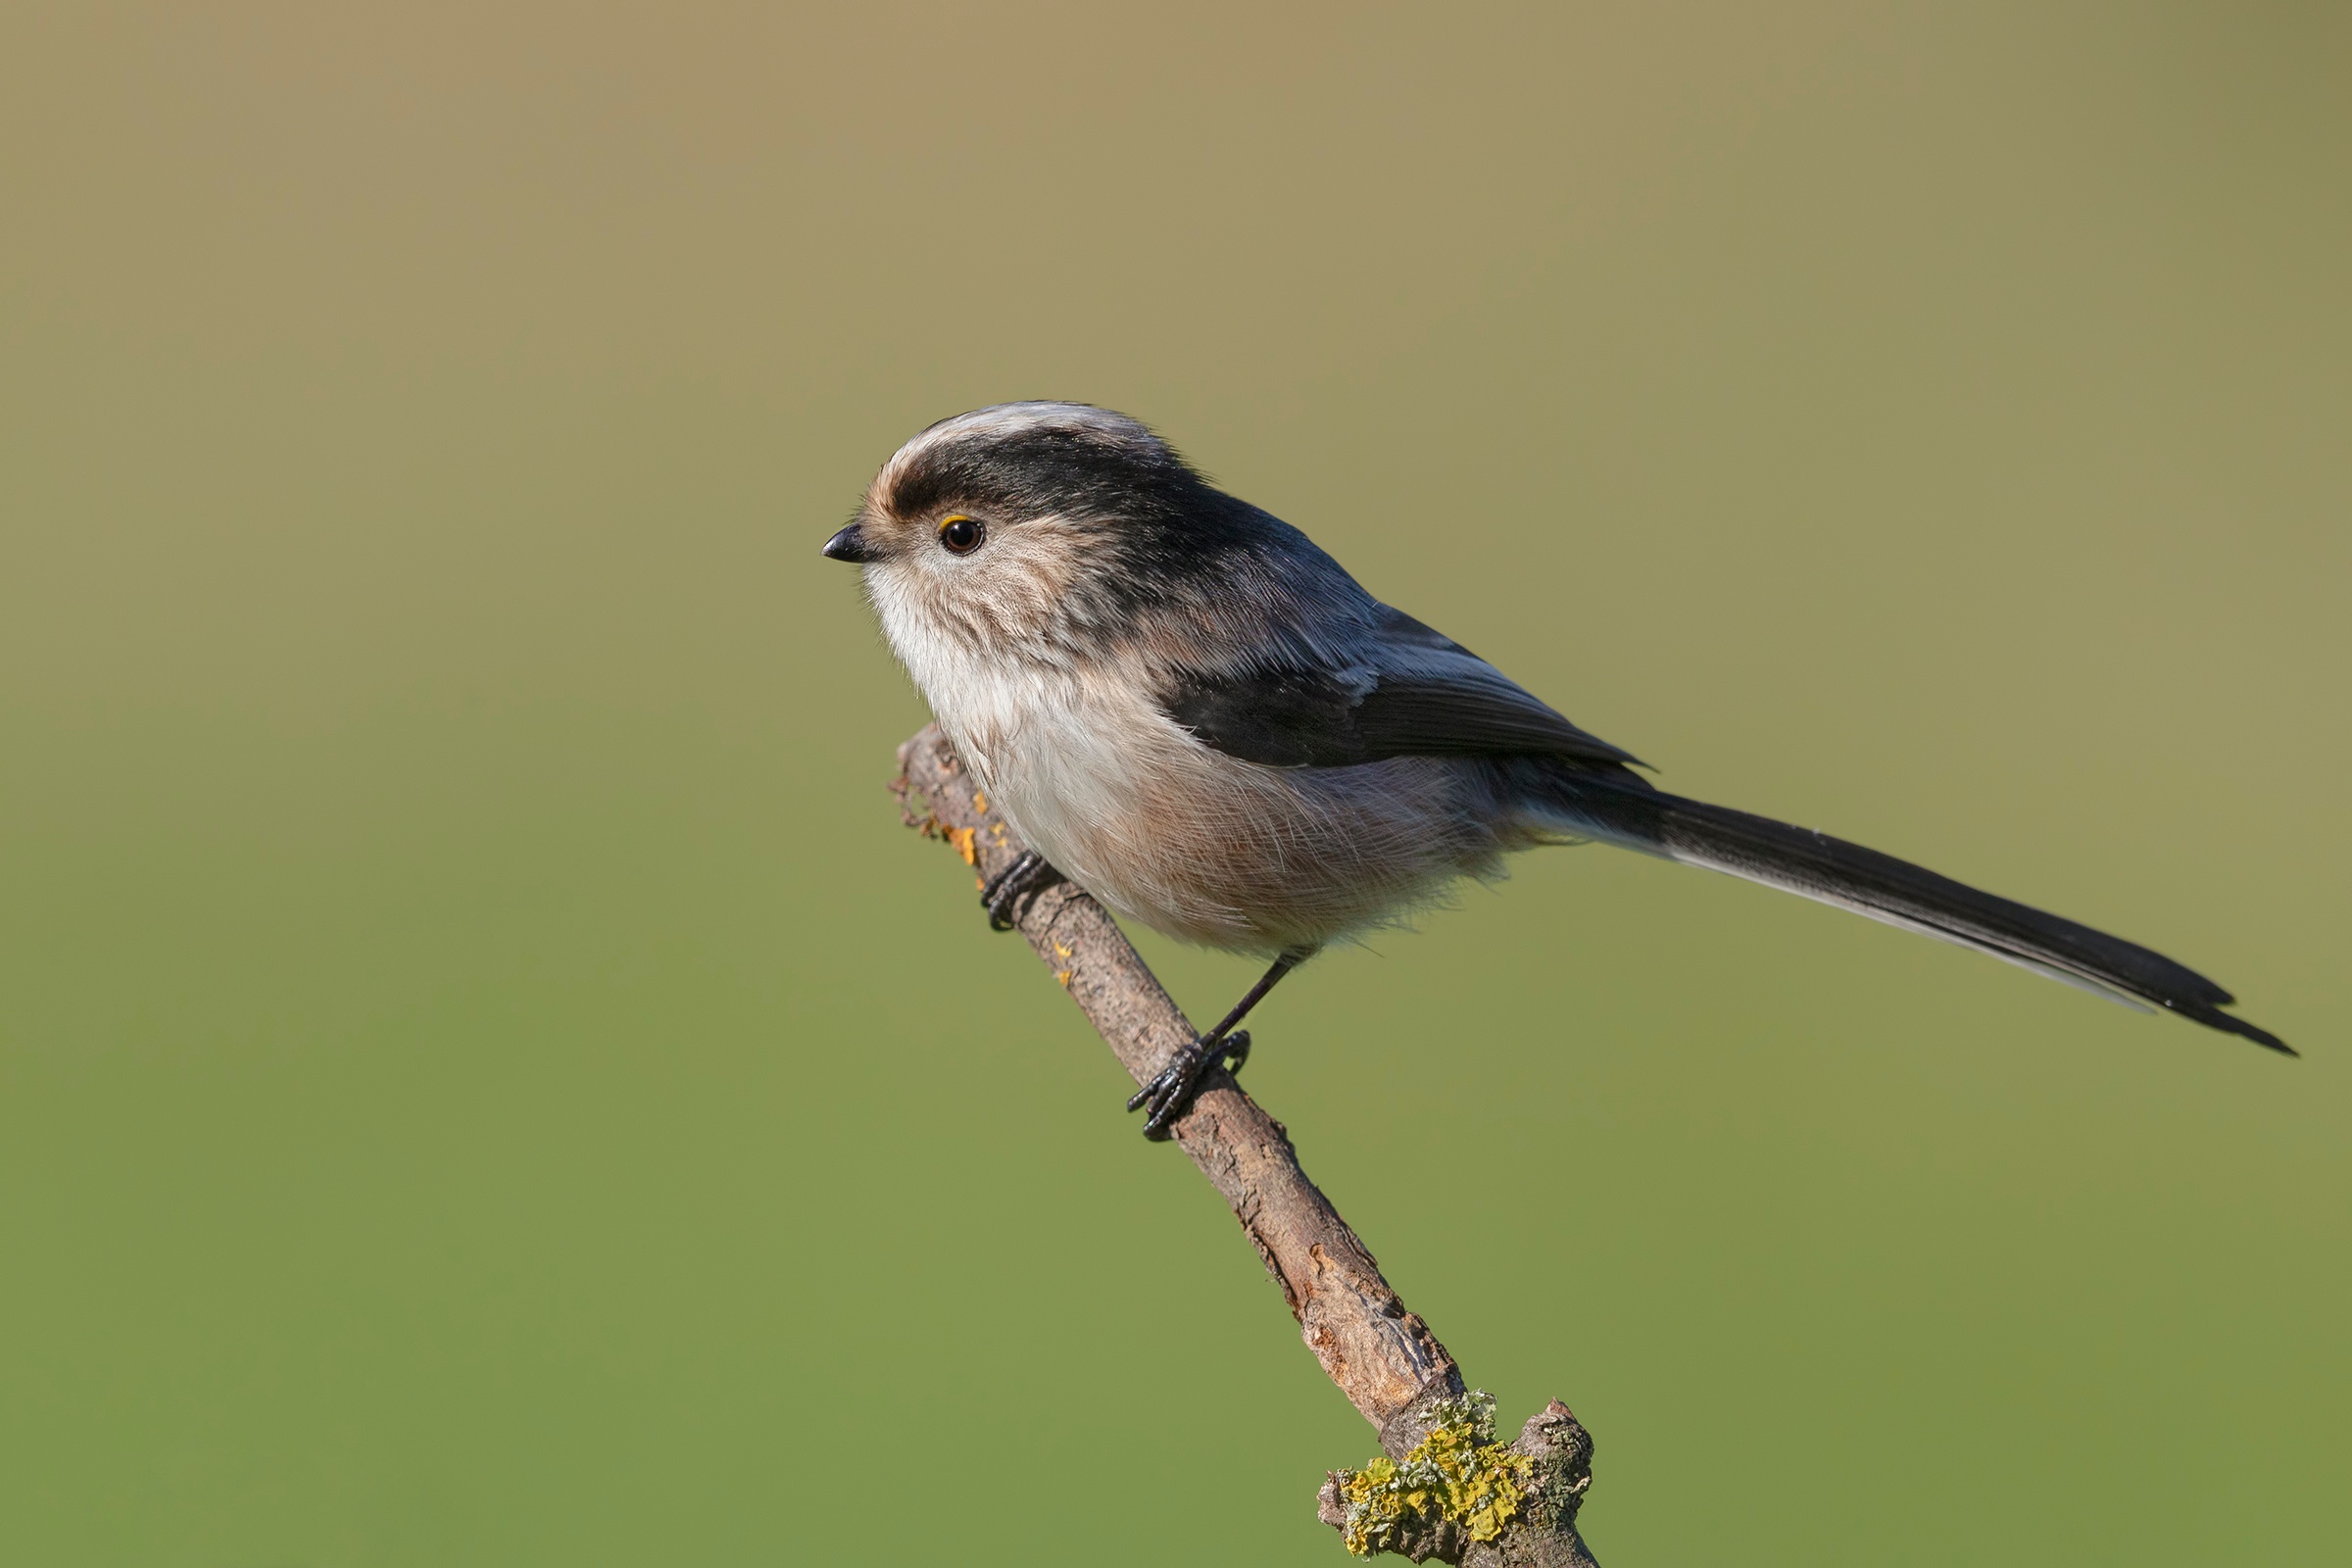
1199 716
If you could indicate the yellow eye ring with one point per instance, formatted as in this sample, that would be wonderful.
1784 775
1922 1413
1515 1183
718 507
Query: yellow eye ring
961 535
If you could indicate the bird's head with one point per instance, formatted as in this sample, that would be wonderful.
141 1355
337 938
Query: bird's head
1034 526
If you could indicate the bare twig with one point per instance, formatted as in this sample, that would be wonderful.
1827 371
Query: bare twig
1384 1358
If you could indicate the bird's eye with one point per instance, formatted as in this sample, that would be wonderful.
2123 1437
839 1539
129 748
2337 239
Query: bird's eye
960 534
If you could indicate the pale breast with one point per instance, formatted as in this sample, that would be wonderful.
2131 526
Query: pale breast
1201 846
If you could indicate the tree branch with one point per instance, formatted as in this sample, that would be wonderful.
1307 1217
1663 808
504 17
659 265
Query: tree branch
1384 1358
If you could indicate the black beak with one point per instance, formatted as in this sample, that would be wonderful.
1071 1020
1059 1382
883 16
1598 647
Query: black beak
846 544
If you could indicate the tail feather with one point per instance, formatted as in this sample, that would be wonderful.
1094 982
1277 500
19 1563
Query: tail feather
1619 808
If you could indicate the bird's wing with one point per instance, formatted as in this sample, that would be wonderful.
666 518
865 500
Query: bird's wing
1410 693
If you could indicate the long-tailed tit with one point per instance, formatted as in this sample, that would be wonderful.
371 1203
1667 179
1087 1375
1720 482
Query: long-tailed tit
1190 711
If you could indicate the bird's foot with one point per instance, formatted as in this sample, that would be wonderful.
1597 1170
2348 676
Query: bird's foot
1025 879
1170 1095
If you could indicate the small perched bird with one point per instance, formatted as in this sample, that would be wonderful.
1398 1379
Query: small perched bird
1190 711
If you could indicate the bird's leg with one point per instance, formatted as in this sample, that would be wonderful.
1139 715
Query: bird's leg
1026 878
1170 1095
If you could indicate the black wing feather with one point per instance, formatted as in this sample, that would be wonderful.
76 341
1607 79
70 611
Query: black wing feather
1409 715
1288 718
1448 704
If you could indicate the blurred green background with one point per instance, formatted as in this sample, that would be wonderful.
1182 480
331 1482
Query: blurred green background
485 1079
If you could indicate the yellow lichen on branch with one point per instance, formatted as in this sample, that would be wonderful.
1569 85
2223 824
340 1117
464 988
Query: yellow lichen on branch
1457 1474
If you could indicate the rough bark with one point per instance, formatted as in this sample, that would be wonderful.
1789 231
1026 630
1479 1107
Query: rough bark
1384 1358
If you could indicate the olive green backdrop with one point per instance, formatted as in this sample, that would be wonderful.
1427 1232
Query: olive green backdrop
485 1079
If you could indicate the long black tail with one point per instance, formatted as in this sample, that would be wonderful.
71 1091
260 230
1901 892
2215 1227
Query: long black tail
1619 808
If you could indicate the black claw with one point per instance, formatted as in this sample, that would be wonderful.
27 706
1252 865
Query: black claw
1171 1094
1237 1051
1025 879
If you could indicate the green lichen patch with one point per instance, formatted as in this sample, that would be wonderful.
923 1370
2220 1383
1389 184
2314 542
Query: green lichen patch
1457 1475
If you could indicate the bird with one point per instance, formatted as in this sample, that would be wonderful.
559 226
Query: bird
1187 708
